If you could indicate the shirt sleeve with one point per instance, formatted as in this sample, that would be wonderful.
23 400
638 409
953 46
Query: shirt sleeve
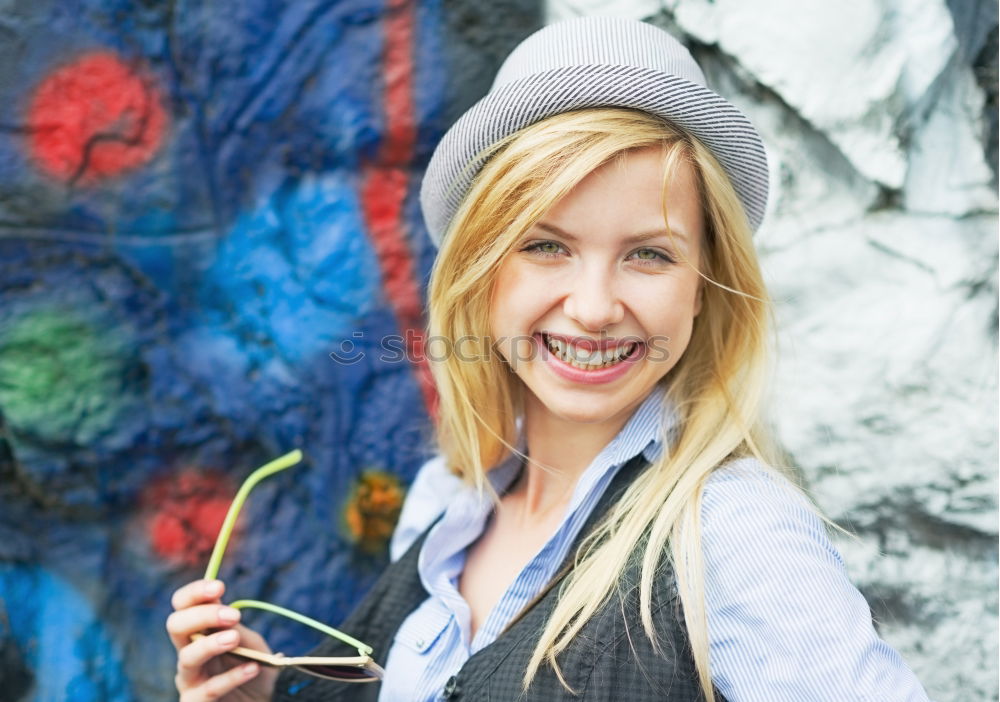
431 491
785 622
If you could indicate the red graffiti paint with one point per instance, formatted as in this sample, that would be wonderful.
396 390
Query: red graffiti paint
383 193
397 74
186 513
385 187
95 118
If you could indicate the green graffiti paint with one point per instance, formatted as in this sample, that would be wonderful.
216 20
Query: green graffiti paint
62 377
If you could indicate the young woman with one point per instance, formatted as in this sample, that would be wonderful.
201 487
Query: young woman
622 530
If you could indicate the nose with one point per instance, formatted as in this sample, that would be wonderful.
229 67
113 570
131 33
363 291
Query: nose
593 300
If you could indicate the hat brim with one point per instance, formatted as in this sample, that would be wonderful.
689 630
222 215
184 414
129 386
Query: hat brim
715 122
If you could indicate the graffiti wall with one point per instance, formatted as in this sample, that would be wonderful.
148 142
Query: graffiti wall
199 203
202 204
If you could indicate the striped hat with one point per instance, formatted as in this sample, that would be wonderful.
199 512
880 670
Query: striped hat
594 62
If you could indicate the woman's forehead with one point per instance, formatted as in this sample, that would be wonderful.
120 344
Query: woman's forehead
627 198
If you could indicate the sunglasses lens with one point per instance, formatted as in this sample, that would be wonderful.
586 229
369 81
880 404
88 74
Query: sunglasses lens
339 672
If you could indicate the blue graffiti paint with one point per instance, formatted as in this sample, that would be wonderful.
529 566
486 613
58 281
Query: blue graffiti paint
298 272
60 637
430 78
232 264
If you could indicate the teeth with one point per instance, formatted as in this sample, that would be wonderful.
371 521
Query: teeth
578 355
585 360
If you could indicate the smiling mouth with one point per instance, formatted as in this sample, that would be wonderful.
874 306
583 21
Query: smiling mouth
588 360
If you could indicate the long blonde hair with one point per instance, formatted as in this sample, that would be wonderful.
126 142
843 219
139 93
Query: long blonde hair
717 387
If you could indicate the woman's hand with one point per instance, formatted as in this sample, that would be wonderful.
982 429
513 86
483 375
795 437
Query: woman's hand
202 673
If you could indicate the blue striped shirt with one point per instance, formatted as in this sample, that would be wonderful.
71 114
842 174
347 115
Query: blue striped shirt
785 623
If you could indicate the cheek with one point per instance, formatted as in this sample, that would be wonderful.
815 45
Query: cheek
673 318
669 339
519 299
506 312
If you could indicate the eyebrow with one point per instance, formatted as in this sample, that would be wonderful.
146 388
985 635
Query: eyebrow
633 239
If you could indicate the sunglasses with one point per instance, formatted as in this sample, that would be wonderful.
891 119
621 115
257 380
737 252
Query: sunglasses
359 669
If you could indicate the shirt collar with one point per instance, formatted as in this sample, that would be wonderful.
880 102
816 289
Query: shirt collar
644 431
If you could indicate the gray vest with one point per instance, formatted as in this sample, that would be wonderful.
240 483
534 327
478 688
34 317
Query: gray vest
610 659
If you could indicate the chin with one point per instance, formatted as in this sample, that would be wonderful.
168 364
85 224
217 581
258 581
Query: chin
586 411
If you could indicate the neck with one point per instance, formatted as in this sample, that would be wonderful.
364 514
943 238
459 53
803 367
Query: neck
559 453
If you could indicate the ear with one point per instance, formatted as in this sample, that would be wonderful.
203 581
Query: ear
698 297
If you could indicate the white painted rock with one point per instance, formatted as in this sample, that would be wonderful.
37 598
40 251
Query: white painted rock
880 250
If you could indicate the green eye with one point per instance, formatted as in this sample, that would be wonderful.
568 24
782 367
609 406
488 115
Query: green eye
651 255
545 248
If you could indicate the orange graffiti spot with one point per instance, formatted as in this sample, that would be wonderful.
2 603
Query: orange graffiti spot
373 509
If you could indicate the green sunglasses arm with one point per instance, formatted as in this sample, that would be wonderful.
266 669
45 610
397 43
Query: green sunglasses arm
268 469
303 619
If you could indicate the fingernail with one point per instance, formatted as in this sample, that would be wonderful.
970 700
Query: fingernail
212 588
250 669
228 637
229 615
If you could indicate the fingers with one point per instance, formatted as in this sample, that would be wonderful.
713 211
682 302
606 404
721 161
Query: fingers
197 592
251 639
184 622
197 608
219 685
192 658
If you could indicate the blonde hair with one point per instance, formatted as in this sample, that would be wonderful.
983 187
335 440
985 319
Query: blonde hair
717 387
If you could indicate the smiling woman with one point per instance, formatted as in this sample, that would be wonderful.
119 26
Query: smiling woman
560 220
623 529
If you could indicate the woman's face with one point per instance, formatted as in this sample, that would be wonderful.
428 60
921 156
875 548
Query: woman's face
594 304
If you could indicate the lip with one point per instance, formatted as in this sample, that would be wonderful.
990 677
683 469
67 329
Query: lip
591 377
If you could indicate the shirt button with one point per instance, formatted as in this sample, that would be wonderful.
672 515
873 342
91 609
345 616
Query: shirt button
420 643
451 688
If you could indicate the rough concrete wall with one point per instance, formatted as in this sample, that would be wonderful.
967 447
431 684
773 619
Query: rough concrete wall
880 248
199 202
